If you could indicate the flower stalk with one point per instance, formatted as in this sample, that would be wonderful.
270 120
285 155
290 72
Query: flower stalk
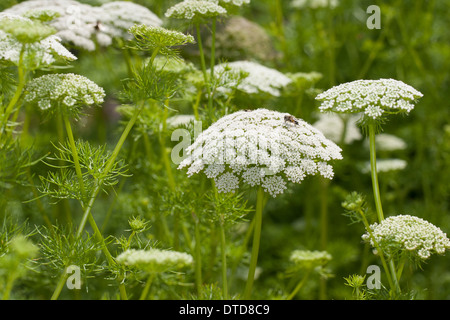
255 244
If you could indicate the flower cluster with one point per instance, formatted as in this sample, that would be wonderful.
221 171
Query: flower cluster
259 78
40 53
410 234
242 39
386 165
67 91
190 9
119 16
333 126
159 38
84 25
155 260
389 142
372 97
236 3
260 148
308 259
314 4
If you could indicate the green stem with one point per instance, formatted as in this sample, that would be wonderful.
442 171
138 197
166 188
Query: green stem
164 152
148 283
376 193
213 47
108 167
203 65
392 284
202 54
374 173
198 255
20 85
256 242
323 230
9 283
59 286
401 266
223 246
76 160
300 284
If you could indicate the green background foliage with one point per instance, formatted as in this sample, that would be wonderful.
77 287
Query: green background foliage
413 45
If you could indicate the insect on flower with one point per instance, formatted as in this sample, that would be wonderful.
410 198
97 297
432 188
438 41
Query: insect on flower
290 119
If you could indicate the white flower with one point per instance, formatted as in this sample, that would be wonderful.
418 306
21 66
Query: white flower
190 9
180 120
386 165
44 52
237 3
308 258
372 97
119 16
155 260
388 142
260 148
410 233
67 90
314 4
332 126
84 25
259 77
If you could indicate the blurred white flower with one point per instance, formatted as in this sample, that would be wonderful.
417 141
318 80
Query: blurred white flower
332 126
155 260
314 4
372 97
386 165
408 233
119 16
388 142
259 78
44 52
180 120
309 259
259 148
84 25
236 3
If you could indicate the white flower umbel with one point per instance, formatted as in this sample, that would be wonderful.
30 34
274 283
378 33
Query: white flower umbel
333 126
314 4
155 260
386 165
373 98
388 142
264 149
236 3
259 78
42 53
67 91
76 21
119 16
308 258
86 26
191 9
260 148
405 233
